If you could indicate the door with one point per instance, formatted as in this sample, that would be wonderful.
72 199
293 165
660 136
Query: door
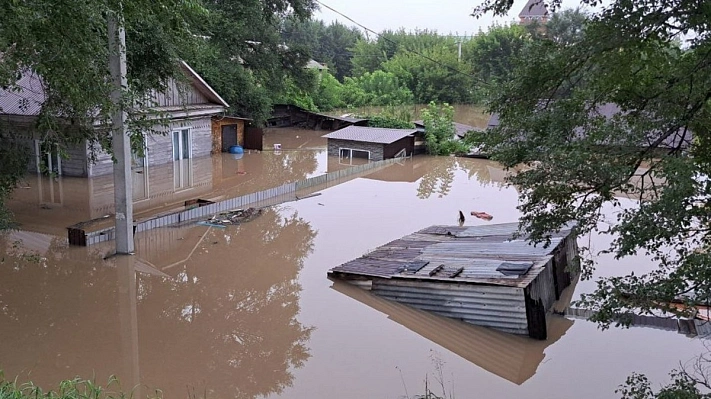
229 137
253 138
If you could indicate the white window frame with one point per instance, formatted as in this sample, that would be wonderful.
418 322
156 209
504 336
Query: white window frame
181 143
144 167
350 155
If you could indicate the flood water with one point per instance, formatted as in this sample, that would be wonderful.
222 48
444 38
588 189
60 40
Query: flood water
247 311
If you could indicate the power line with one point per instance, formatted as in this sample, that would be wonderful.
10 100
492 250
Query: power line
366 29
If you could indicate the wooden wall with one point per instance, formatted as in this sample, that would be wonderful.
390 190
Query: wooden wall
178 95
160 146
217 125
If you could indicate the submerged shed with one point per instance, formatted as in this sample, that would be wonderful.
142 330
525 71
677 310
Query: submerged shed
475 274
371 143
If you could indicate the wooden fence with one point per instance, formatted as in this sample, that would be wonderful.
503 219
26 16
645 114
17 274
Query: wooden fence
273 196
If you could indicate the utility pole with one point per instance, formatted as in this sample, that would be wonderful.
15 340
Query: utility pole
123 187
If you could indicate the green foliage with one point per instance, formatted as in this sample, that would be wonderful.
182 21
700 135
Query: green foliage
440 131
68 389
329 94
377 88
423 61
388 121
492 54
329 44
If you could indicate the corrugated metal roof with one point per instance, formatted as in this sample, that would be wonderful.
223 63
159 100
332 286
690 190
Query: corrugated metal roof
465 254
24 98
370 134
534 8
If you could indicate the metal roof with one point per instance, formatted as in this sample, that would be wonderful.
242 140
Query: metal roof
534 8
460 129
473 254
370 134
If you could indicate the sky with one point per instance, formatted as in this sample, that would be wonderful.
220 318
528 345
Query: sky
444 16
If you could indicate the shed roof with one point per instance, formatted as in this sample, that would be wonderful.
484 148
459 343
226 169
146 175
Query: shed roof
474 254
460 129
370 134
534 8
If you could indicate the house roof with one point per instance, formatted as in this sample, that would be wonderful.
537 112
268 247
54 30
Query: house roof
28 95
460 129
370 134
534 8
26 98
312 64
609 110
202 86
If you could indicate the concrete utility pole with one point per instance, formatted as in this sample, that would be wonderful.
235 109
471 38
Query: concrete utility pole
123 183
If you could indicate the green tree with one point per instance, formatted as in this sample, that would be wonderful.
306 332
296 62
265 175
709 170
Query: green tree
377 88
439 129
492 54
329 44
578 160
433 74
329 94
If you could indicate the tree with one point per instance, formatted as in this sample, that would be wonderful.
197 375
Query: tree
377 88
492 54
246 62
439 129
577 160
329 44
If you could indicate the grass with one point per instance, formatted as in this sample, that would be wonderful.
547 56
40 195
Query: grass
76 388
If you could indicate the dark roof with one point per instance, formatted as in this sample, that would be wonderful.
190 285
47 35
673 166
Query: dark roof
370 134
534 8
610 110
460 129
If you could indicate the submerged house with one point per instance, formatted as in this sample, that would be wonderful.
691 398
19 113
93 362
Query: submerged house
475 274
189 109
371 143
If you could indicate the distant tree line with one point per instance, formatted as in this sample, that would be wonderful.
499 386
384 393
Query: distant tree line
400 67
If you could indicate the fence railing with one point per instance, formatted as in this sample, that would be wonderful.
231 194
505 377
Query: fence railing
273 196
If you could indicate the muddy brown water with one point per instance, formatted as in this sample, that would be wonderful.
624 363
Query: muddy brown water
247 311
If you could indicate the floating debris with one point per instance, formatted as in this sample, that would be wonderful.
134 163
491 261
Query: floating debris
482 215
233 217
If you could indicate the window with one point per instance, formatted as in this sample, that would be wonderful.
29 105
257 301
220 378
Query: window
182 143
346 156
182 162
139 172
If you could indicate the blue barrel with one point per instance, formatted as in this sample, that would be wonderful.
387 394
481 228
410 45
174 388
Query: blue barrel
236 149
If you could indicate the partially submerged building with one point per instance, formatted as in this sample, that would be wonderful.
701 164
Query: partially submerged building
183 112
372 143
478 275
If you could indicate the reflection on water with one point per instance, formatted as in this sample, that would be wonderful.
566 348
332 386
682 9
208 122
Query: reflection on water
221 320
511 357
